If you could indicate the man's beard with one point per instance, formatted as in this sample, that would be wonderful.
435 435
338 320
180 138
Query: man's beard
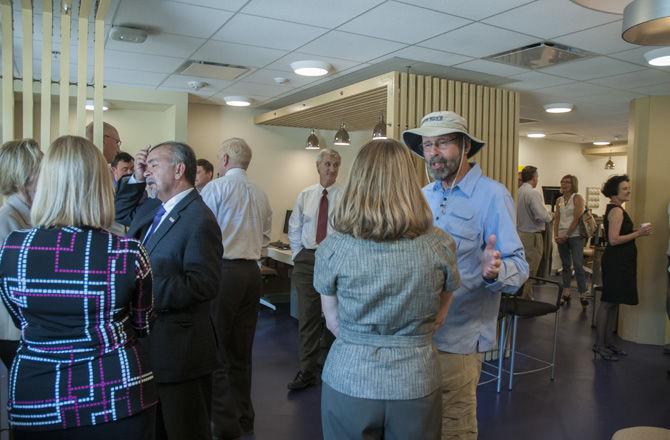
152 191
448 170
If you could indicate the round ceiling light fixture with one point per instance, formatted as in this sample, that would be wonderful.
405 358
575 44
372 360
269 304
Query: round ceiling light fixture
536 135
558 107
601 143
237 101
90 105
610 6
310 68
647 22
658 57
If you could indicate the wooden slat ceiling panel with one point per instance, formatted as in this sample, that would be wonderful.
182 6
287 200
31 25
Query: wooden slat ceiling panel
358 112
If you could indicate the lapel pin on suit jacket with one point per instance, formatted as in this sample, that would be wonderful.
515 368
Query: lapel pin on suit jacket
171 219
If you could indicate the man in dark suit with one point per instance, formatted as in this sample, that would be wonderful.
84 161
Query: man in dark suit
184 244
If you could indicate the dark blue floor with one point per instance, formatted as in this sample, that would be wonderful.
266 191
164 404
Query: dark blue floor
588 400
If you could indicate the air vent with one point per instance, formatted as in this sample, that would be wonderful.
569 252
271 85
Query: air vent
527 120
206 69
539 55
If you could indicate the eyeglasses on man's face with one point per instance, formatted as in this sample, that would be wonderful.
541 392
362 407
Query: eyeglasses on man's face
117 141
441 143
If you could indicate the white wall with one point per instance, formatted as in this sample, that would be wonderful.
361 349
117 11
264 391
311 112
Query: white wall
554 159
280 165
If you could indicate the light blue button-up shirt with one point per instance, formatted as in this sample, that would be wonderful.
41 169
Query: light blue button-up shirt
476 208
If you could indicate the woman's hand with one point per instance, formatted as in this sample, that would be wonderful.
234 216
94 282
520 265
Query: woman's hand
561 239
644 230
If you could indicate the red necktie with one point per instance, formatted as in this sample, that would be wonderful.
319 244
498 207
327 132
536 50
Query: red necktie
322 221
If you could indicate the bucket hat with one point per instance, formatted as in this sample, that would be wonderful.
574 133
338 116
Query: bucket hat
438 124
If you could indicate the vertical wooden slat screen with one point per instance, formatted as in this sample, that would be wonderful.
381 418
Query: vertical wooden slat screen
98 76
7 72
27 86
64 89
45 93
492 115
82 64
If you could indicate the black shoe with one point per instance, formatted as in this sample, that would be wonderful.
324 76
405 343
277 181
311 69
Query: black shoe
303 380
616 350
604 354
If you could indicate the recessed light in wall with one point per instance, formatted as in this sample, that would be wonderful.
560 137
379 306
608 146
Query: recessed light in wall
658 57
312 142
90 106
558 107
535 135
601 143
310 68
237 101
342 136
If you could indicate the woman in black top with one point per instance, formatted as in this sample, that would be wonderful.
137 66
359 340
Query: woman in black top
619 265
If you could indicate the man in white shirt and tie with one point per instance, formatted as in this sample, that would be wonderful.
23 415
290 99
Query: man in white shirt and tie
308 226
243 213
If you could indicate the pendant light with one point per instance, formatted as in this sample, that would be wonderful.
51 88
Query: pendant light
609 165
342 136
379 132
312 142
647 22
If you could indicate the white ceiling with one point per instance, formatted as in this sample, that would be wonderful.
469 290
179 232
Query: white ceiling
354 36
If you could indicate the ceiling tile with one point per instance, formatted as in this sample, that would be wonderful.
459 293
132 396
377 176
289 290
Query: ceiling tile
478 40
655 90
160 44
634 56
267 76
633 80
550 18
284 64
132 77
326 13
166 16
349 46
591 68
180 82
237 54
426 55
491 67
574 90
229 5
535 80
267 32
395 21
254 89
600 39
475 10
143 62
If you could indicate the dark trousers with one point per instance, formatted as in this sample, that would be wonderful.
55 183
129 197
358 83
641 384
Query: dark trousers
136 427
184 410
235 313
345 417
315 338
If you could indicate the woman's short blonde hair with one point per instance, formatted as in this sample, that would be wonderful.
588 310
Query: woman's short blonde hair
74 187
382 200
19 165
573 181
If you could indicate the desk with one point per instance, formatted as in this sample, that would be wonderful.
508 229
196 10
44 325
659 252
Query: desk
285 256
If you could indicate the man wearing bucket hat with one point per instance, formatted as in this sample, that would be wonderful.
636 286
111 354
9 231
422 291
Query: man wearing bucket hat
478 213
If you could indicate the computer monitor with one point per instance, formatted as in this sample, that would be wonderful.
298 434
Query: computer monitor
551 194
286 219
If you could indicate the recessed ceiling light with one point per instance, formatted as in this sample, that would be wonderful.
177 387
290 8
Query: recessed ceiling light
90 106
310 68
535 135
558 107
237 101
658 57
601 143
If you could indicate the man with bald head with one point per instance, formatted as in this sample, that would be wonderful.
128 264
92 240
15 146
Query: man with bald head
111 142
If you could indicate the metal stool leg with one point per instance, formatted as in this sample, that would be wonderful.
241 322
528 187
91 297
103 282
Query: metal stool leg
501 350
511 364
553 351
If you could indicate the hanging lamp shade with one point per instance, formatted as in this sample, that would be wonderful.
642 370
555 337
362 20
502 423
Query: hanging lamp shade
379 131
647 22
342 136
312 142
609 165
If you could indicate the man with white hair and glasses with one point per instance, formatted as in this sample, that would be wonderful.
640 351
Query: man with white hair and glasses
478 213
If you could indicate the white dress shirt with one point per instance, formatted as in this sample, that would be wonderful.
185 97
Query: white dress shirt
243 212
531 215
304 218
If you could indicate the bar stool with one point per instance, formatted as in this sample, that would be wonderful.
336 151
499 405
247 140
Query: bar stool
513 307
267 273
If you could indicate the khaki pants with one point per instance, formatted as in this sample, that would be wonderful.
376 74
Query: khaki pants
460 376
533 246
